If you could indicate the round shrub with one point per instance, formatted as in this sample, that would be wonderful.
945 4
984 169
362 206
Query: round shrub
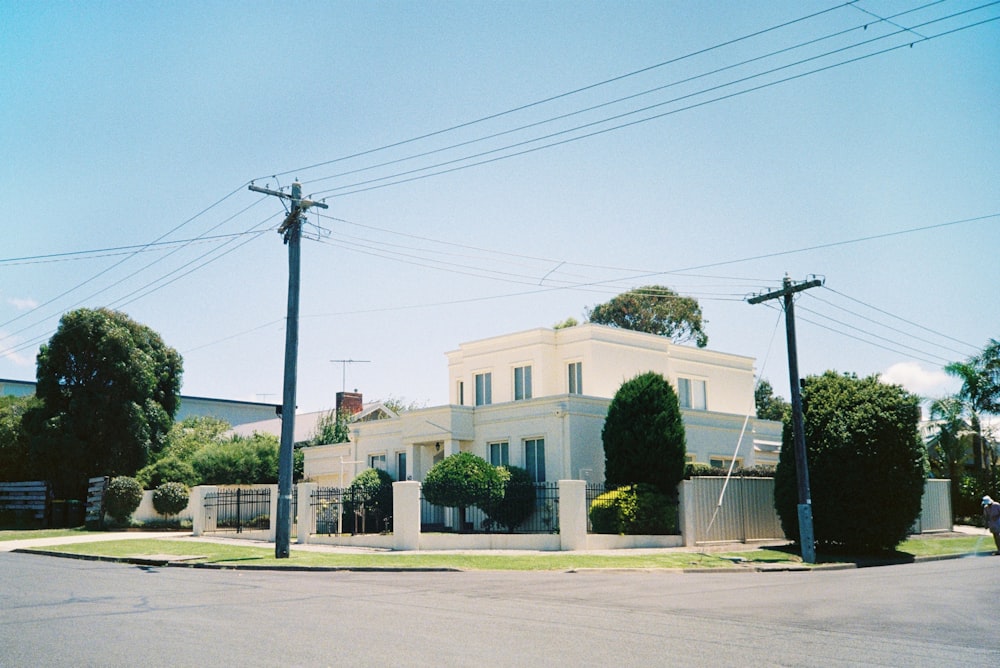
462 480
640 509
372 490
170 498
121 497
866 463
518 500
169 469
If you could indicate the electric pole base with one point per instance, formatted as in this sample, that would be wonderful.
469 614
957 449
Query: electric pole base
806 536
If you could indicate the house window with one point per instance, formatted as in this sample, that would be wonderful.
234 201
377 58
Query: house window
575 377
534 458
401 466
484 389
721 462
377 462
500 453
461 393
691 393
522 383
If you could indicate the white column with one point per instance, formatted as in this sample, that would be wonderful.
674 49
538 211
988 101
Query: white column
572 514
199 520
306 522
406 515
685 512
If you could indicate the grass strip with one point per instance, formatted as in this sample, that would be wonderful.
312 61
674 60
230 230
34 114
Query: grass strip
44 533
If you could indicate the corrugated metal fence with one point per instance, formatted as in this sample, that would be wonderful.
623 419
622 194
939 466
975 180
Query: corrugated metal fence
746 514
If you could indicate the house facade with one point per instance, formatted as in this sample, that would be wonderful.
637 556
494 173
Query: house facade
538 399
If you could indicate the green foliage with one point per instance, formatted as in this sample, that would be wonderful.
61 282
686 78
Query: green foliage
979 394
400 405
769 405
706 470
643 435
639 509
654 309
238 461
333 427
109 388
568 322
121 497
170 498
168 469
462 480
866 463
16 463
372 490
191 434
971 488
518 500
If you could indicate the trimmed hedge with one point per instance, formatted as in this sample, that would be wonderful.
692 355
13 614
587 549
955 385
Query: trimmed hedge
639 509
121 497
170 498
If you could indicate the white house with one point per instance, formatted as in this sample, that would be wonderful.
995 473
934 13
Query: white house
537 399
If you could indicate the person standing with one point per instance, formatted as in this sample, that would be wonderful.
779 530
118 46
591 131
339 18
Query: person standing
991 513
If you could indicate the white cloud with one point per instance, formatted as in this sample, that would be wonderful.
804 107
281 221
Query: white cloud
22 304
914 378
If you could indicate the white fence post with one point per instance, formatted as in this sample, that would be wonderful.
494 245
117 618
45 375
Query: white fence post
406 515
306 522
200 522
685 512
572 514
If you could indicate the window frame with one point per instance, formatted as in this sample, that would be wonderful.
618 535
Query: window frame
484 388
688 395
503 448
533 463
574 377
522 382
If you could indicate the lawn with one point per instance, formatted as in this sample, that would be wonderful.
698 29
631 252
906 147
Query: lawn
27 534
223 554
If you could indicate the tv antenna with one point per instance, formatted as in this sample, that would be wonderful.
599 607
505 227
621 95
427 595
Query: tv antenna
343 364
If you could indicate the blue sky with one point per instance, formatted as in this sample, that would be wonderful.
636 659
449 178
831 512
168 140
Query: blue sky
130 124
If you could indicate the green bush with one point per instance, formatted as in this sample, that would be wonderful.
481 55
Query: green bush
706 470
867 464
518 500
121 497
972 487
169 469
238 461
634 510
372 490
170 498
462 480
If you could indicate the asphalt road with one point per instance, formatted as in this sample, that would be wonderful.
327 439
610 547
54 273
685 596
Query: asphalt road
63 612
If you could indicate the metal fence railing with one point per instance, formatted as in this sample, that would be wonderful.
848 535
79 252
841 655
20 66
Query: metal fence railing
240 509
525 508
339 510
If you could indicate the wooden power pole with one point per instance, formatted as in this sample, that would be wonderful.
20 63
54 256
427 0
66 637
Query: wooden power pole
291 230
807 537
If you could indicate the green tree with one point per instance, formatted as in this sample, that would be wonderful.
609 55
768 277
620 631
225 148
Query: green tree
568 322
462 480
371 492
191 434
239 460
980 394
16 463
866 462
654 309
769 405
333 427
109 388
643 435
121 497
519 496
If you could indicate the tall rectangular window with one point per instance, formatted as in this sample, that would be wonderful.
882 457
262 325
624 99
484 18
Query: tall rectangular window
461 393
500 453
522 383
534 458
401 466
484 389
575 377
691 393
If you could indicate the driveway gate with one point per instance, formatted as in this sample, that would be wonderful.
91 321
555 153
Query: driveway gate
240 509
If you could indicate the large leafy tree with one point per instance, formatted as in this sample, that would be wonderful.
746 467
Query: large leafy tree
980 394
109 388
769 405
462 480
867 463
15 459
643 435
654 309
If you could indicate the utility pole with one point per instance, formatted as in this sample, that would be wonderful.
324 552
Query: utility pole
291 230
807 537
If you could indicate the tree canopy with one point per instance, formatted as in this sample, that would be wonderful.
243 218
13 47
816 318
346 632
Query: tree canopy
979 394
109 388
867 463
769 405
654 309
643 435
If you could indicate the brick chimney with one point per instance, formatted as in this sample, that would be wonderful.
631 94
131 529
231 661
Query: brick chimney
351 402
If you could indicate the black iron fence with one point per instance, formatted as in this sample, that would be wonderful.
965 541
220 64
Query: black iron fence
511 508
349 510
240 509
